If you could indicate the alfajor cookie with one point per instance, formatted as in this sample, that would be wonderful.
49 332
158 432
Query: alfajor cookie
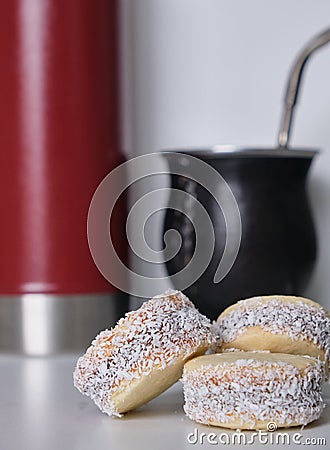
243 390
143 354
276 323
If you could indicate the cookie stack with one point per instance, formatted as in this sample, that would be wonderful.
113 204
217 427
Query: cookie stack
271 357
275 355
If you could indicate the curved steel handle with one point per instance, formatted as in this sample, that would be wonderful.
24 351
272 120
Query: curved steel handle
293 85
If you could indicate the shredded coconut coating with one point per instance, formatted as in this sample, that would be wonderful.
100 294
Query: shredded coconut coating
250 390
165 329
298 320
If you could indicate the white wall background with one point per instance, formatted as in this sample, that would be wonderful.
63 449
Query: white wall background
213 71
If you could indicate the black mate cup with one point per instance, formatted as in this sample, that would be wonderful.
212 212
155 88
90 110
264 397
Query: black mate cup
278 245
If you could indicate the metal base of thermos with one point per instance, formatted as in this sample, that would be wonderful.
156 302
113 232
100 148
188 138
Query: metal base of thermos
45 324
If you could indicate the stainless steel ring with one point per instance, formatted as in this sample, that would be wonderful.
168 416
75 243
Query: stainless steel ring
45 324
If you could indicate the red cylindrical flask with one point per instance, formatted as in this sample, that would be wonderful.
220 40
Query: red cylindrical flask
59 137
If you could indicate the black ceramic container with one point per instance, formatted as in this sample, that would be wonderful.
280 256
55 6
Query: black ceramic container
278 243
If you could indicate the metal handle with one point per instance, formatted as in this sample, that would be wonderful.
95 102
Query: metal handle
293 84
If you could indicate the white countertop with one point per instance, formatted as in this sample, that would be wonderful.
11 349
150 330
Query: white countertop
40 409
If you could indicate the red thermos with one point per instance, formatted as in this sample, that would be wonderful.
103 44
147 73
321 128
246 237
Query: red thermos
59 137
